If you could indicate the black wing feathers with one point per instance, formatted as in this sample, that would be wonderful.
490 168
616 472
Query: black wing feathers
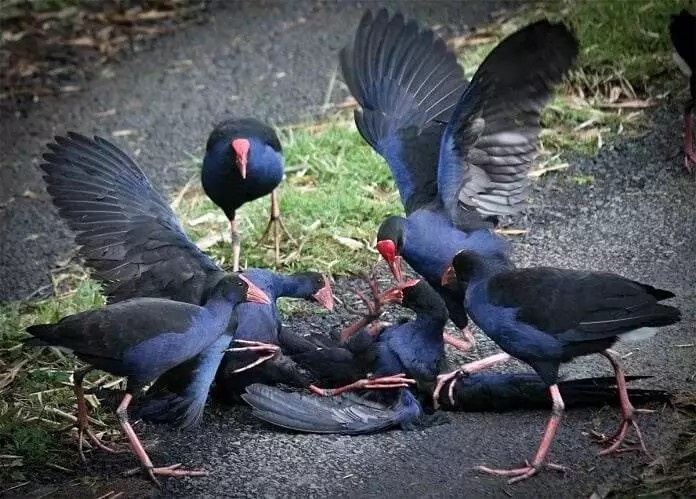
128 233
579 305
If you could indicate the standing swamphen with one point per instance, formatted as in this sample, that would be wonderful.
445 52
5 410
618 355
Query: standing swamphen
458 152
180 394
682 31
243 162
141 339
545 316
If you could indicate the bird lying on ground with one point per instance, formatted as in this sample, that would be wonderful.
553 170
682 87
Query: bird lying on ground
682 32
179 395
415 348
459 153
545 316
141 339
243 162
305 361
350 413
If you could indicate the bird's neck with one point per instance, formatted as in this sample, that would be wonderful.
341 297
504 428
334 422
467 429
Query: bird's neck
431 325
293 287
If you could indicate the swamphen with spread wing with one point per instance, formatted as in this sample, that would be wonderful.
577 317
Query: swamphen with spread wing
141 339
682 31
128 234
243 162
457 152
179 395
546 316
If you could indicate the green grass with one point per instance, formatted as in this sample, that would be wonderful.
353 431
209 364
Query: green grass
625 60
35 383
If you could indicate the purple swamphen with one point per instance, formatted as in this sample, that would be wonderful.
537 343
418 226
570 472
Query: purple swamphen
128 235
243 162
141 339
179 395
682 32
459 152
545 316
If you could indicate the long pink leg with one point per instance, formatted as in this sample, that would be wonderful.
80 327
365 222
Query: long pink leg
383 383
277 222
463 345
83 427
469 368
255 346
236 244
139 450
539 460
627 412
689 154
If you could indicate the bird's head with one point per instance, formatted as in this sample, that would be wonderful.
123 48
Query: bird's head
321 291
466 266
245 139
390 244
236 287
420 297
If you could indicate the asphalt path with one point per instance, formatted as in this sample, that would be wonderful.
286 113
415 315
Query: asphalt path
632 213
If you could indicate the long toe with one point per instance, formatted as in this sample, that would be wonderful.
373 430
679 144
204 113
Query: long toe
519 474
618 438
175 470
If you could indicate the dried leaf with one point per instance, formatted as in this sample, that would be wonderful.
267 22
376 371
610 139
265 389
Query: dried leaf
614 94
349 242
471 40
104 114
208 218
629 104
536 173
123 133
83 41
349 103
213 239
511 232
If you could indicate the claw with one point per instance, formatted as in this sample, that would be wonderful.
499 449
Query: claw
383 383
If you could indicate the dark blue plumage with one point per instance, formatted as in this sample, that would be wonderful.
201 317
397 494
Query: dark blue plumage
545 316
414 348
221 175
179 395
457 152
243 162
141 339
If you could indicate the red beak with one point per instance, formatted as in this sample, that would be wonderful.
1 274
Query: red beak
449 277
387 249
254 294
241 149
324 296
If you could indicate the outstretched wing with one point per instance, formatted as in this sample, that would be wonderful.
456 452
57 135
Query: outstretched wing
407 82
345 414
491 139
128 233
